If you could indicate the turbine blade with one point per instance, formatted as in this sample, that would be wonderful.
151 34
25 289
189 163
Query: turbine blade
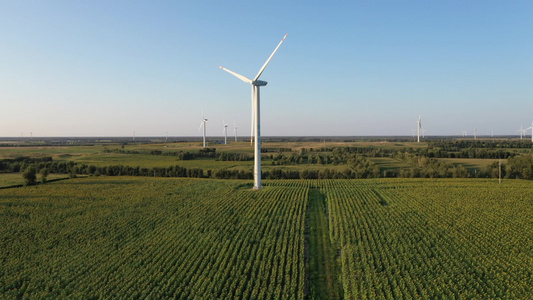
268 60
243 78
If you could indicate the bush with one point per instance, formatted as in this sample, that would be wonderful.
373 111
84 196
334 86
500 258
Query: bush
29 176
44 173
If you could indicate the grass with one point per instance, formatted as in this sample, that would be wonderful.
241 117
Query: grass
323 268
386 163
472 163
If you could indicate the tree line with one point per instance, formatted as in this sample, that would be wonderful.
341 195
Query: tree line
357 167
188 155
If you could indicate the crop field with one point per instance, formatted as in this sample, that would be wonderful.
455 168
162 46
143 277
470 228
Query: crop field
139 237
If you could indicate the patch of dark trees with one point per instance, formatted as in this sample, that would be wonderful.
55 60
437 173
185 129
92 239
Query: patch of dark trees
188 155
458 145
341 155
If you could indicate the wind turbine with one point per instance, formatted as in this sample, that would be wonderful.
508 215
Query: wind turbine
531 127
419 128
225 132
475 133
256 84
522 131
203 125
235 127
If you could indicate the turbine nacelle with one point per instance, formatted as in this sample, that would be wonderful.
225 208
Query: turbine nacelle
259 83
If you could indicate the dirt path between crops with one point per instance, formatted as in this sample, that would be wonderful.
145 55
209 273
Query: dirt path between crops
322 267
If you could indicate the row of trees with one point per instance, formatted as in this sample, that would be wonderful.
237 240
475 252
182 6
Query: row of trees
187 155
358 166
458 145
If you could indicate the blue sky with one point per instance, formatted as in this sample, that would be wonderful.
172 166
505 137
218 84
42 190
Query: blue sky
108 68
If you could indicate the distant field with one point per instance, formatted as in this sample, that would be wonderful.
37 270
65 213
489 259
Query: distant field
386 163
135 237
471 163
106 155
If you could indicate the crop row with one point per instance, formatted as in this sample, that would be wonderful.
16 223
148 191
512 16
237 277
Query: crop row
152 238
432 240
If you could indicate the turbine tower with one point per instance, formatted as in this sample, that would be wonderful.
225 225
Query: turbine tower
225 132
475 133
203 125
256 84
235 127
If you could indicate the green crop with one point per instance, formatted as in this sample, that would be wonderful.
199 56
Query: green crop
139 237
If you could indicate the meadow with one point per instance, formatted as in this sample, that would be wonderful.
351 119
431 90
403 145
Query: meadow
141 237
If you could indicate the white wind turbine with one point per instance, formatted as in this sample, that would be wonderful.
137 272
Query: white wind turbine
203 125
256 83
475 133
419 128
235 127
531 127
522 131
225 132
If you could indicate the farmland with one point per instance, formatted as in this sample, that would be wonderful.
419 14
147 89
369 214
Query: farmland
140 237
291 159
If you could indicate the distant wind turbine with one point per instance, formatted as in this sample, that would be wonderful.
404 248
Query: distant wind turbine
419 128
256 84
225 132
203 125
475 133
235 127
531 127
522 131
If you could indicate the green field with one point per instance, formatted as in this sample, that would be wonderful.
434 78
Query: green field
135 237
138 155
471 163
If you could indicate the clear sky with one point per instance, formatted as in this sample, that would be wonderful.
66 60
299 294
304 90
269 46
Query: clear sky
108 68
